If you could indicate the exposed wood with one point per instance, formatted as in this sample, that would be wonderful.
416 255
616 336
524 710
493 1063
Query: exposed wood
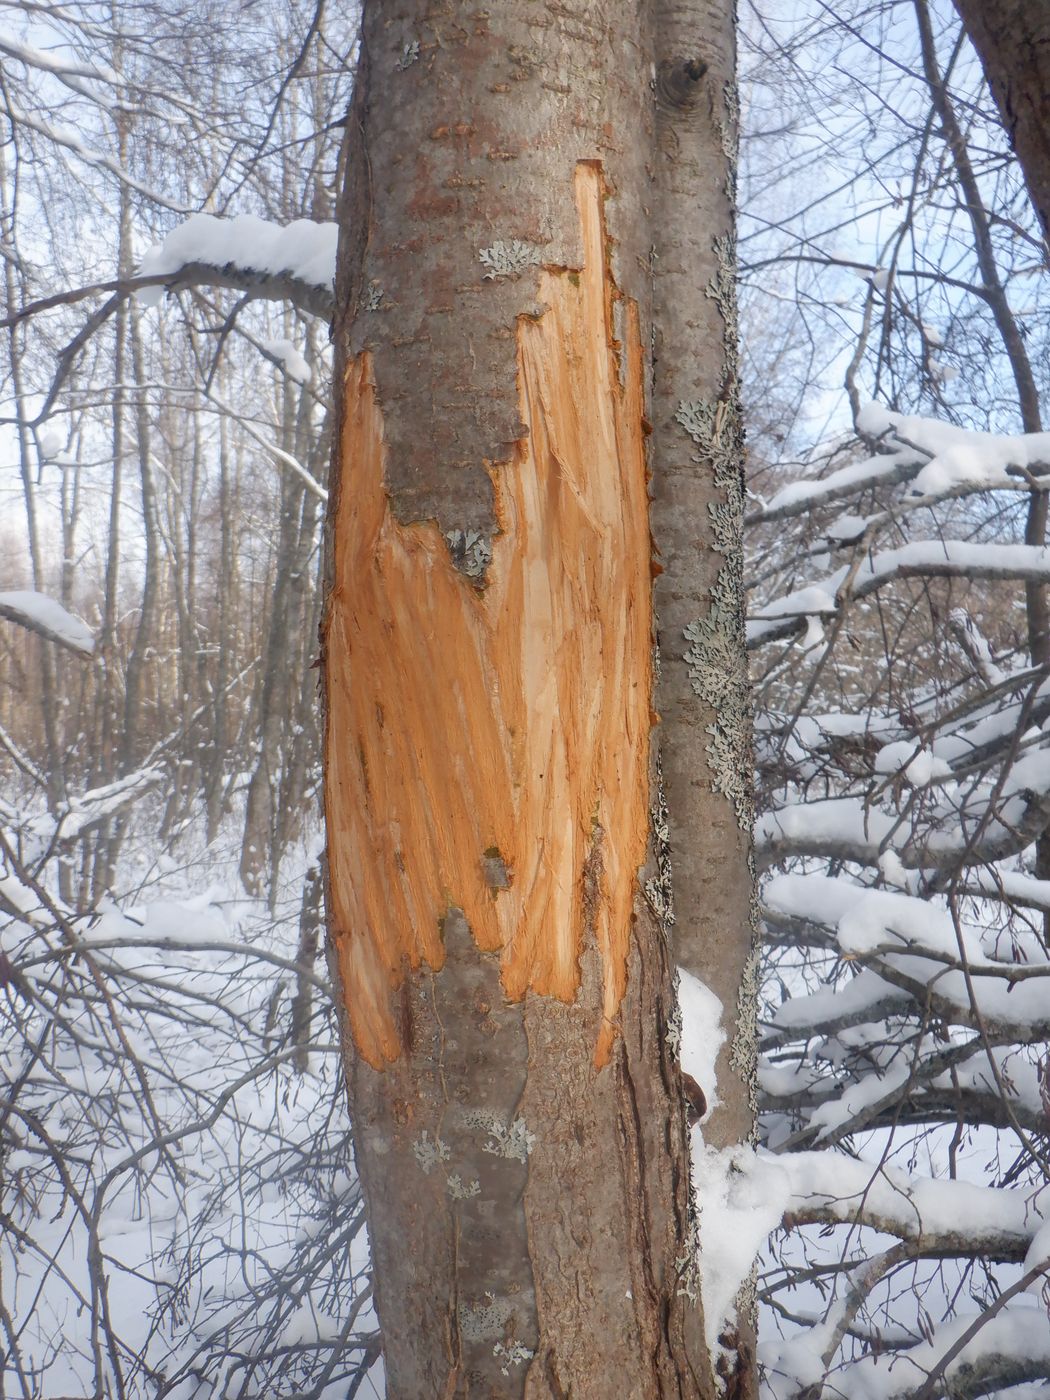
487 746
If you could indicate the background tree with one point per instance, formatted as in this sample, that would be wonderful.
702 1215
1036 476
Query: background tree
904 796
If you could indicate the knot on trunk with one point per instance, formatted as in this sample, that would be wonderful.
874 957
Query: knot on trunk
678 81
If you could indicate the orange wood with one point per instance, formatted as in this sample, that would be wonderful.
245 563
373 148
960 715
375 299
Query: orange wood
515 719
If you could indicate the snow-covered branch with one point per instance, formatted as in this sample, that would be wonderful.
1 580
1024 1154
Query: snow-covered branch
955 833
785 616
49 619
939 1217
293 262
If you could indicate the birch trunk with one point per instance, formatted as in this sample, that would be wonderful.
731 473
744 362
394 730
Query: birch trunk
499 872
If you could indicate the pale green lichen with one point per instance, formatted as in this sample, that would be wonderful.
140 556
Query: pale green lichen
513 1355
718 675
716 656
372 297
698 419
729 135
659 890
471 552
485 1321
510 1140
409 55
429 1153
687 1264
673 1033
726 753
508 259
461 1190
722 291
743 1054
725 524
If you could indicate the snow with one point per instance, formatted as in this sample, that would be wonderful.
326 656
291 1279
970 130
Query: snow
849 1189
803 601
958 456
954 558
55 63
863 997
860 1101
874 924
741 1197
918 764
50 441
737 1194
292 361
253 1143
931 457
892 870
1019 1331
303 250
847 481
1038 1256
846 529
702 1033
42 614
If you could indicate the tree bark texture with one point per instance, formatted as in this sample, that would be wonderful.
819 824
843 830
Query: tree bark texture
1012 39
499 870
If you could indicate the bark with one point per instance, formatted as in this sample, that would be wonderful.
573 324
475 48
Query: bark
1012 39
698 512
704 696
305 957
497 892
277 683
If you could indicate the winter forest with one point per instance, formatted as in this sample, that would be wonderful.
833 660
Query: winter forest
828 1133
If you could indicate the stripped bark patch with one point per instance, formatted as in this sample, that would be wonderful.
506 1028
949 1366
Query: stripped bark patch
512 718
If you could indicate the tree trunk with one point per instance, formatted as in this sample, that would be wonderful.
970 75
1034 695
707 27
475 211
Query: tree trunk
1013 43
497 860
1012 39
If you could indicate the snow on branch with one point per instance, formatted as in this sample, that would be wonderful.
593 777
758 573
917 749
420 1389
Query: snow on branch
785 616
940 1217
91 808
293 262
49 619
867 922
800 497
935 459
961 830
96 805
996 1352
70 139
959 457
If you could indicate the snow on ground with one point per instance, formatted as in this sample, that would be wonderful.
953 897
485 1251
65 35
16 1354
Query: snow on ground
170 1167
